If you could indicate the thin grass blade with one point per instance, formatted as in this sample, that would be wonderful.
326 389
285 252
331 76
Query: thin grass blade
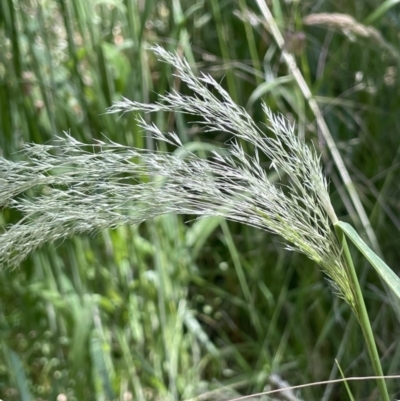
380 11
18 372
387 274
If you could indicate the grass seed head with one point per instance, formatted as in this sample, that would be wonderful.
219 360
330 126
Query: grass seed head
104 185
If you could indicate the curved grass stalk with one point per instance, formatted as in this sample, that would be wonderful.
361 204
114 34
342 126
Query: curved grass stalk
362 315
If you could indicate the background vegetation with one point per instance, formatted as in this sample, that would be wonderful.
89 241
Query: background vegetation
176 308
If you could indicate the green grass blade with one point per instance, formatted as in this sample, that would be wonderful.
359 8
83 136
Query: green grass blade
267 87
223 37
18 372
102 375
380 11
349 393
391 279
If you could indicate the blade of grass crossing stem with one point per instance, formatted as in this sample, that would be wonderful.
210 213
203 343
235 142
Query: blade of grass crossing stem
342 350
349 393
386 273
360 310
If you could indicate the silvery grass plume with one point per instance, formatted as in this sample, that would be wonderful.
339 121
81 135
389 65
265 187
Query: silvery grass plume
68 187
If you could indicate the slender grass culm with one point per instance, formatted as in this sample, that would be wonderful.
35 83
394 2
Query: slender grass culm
73 188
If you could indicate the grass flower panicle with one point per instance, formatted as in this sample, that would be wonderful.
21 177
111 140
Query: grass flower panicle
81 188
69 187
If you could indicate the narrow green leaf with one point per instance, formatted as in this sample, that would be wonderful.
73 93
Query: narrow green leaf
391 279
18 372
267 87
349 393
380 11
102 374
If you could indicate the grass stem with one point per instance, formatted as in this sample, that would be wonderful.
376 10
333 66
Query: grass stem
362 315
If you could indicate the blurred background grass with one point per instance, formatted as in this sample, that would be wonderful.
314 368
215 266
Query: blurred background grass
173 309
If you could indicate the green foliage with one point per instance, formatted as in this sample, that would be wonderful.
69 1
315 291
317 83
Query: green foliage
384 271
170 310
